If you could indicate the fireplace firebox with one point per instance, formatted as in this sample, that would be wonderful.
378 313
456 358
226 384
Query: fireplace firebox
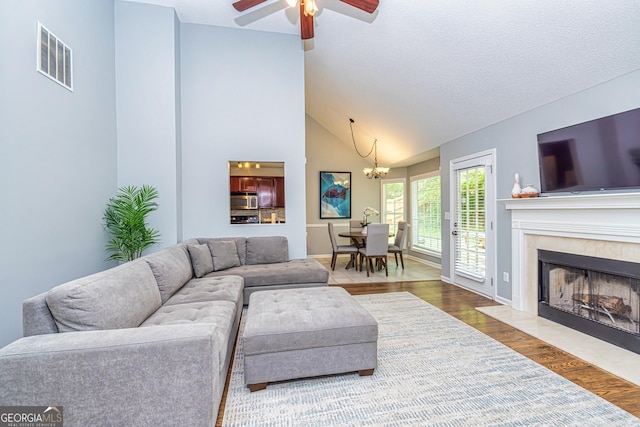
596 296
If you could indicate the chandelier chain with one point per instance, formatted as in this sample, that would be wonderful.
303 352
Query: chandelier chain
356 147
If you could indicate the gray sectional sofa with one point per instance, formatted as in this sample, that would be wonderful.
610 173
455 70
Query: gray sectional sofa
148 342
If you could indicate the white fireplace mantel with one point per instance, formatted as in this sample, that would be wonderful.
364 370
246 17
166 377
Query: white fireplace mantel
602 225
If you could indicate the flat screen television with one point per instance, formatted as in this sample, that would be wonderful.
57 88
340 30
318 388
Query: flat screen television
601 154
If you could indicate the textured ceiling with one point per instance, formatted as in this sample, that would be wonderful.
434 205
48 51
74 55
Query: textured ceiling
417 74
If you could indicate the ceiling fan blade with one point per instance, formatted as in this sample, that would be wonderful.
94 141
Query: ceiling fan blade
242 5
366 5
306 24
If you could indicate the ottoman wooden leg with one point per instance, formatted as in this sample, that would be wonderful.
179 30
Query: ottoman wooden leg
363 373
259 386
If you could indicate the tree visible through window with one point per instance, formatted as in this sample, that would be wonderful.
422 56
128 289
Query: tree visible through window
393 203
426 209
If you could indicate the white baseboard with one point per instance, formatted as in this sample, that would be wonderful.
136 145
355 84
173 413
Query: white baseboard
502 300
423 261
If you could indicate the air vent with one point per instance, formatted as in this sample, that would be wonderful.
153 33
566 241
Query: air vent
54 58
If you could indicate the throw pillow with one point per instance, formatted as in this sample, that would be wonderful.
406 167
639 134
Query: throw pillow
267 250
201 260
225 254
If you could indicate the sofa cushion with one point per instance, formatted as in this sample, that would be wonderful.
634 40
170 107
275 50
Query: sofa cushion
241 245
121 297
201 259
223 288
171 268
267 250
224 254
220 314
296 271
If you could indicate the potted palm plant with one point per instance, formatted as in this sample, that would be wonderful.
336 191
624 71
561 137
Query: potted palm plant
125 219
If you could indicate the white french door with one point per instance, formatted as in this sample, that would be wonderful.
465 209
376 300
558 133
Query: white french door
472 223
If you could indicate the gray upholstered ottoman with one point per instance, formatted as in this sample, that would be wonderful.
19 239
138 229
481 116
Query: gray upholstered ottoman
298 333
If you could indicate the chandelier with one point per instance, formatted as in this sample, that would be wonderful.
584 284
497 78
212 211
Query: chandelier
376 172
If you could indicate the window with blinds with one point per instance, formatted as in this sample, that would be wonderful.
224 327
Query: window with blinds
426 230
470 223
393 204
54 58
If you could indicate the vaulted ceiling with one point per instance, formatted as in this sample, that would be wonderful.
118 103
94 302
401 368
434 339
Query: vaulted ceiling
417 74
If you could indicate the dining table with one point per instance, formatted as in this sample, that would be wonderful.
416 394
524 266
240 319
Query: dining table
359 239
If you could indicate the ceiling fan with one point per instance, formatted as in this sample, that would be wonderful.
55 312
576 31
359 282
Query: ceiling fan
308 8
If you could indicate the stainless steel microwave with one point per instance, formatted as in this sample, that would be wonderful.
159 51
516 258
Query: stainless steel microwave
244 201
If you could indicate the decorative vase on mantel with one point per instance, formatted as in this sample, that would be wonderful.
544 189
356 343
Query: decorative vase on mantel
515 192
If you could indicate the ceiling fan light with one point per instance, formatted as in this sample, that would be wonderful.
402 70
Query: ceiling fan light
310 7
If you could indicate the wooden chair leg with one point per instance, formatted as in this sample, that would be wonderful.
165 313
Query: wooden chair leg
334 257
386 266
402 260
395 254
368 261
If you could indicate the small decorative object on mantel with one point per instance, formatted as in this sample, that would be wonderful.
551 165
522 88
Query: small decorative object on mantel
529 191
515 192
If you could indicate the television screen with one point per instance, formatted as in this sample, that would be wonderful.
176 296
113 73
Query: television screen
601 154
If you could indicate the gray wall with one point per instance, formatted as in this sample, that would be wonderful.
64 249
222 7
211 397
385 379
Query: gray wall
57 151
147 86
515 142
242 99
325 152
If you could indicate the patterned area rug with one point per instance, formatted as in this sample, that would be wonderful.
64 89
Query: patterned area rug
433 370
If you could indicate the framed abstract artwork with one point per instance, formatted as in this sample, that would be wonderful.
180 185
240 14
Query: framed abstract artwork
335 195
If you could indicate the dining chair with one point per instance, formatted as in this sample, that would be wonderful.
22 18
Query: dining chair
341 250
398 244
377 246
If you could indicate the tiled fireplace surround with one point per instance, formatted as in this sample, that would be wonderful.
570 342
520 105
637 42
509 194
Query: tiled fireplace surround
598 225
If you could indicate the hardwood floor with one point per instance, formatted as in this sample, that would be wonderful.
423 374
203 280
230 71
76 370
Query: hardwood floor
461 304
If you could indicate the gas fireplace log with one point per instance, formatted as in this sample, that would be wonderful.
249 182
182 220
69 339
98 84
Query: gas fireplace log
614 305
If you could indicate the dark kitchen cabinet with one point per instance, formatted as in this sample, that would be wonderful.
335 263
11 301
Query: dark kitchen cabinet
234 184
265 192
270 190
245 184
278 191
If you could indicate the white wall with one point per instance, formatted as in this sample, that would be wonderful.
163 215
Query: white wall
147 108
515 140
242 98
57 151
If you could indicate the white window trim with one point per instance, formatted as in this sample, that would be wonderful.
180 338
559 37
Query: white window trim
404 196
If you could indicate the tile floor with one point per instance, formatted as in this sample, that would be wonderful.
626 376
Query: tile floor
413 270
